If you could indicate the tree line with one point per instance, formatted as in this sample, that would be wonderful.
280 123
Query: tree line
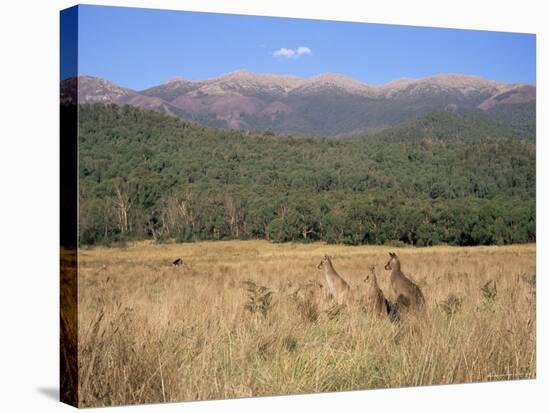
148 175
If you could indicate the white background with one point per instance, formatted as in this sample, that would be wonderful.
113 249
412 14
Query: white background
29 147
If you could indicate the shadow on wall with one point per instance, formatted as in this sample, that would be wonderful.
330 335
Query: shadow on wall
50 392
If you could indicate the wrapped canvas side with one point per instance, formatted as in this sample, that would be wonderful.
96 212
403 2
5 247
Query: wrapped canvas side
69 210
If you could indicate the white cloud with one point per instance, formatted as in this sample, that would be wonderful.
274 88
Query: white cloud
284 52
292 53
302 50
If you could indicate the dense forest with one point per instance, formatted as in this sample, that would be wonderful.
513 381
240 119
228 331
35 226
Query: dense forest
148 175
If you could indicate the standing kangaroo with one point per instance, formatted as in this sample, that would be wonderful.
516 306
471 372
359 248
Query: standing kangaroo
408 294
375 300
337 287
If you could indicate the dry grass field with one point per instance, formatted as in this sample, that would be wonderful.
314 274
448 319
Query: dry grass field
151 332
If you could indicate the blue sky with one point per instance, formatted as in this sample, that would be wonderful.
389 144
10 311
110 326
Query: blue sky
139 48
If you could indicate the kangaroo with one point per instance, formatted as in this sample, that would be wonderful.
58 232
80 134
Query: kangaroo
408 294
376 302
337 287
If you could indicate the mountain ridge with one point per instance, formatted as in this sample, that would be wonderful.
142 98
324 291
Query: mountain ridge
325 104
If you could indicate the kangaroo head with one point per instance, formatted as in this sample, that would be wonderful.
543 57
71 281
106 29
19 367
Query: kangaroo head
369 277
324 261
393 263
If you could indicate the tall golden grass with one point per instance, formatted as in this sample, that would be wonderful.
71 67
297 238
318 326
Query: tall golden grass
248 318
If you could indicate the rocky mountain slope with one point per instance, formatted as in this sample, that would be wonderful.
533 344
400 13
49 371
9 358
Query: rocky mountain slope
327 104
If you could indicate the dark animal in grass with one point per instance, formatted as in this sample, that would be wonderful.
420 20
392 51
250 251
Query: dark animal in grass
178 262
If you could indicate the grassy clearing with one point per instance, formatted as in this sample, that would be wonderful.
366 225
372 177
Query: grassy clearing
247 318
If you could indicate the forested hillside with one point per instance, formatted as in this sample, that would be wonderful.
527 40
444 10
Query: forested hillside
147 175
447 126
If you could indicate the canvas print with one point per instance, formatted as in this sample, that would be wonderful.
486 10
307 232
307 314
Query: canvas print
257 206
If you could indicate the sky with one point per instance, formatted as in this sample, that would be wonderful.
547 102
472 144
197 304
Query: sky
140 48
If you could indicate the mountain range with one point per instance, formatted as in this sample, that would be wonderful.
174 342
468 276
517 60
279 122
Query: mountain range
328 104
